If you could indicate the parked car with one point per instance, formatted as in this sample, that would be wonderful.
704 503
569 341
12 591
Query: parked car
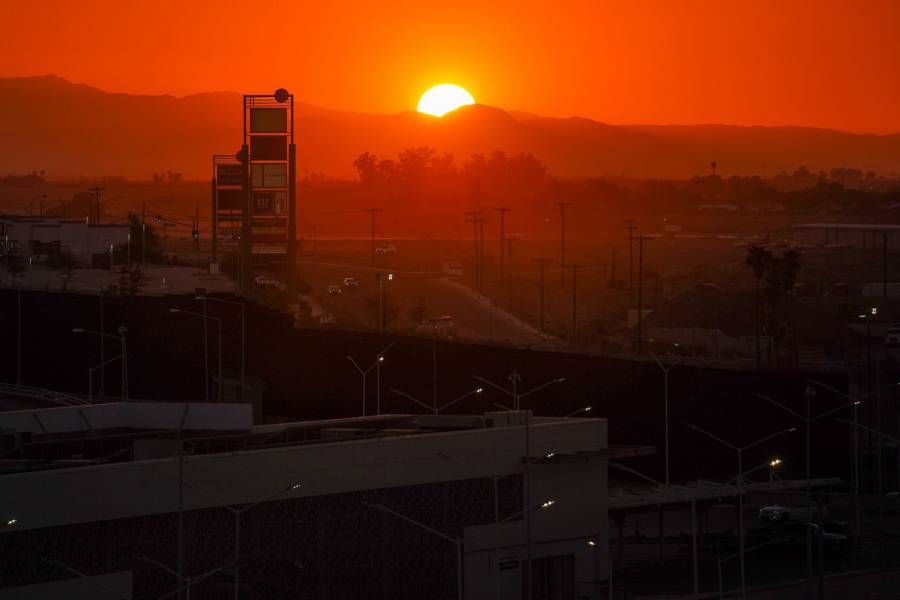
351 283
335 290
835 536
777 513
892 336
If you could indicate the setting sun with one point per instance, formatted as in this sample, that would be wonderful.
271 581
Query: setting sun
444 98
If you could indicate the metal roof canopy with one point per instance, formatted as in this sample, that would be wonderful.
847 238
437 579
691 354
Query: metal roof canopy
851 226
655 497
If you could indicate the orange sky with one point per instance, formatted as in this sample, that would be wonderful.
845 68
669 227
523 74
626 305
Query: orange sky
829 63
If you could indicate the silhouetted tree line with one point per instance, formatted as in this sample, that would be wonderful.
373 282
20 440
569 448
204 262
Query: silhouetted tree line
524 177
775 277
33 178
423 165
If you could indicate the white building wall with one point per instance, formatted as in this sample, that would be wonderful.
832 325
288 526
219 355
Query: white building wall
575 479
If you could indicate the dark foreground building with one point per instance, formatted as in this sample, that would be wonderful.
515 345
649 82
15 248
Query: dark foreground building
116 500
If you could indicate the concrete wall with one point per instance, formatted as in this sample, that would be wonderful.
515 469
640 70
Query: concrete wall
575 479
138 415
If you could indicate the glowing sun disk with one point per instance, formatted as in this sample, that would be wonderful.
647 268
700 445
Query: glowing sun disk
444 98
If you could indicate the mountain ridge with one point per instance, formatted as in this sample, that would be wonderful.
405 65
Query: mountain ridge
70 128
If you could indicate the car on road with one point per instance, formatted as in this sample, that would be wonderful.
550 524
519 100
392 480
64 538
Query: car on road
267 281
835 536
778 513
442 326
335 290
385 250
351 283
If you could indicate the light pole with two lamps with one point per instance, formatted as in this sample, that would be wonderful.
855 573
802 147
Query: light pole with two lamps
206 348
740 481
123 356
459 541
237 512
379 358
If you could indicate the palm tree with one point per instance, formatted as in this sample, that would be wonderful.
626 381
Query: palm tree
790 262
760 260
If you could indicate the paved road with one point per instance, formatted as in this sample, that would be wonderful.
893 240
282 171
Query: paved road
474 318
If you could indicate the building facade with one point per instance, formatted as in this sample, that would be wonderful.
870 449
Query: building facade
108 497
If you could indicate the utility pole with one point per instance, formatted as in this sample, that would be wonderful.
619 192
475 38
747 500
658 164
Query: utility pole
630 225
574 336
97 191
640 315
542 261
562 242
481 271
373 212
143 236
612 271
502 210
474 217
884 265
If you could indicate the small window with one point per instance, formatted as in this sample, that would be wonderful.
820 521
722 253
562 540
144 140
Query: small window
269 176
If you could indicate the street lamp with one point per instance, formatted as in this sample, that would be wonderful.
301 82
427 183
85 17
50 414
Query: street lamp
379 358
206 348
459 540
584 409
593 545
665 371
854 450
740 482
188 580
100 292
437 409
514 378
92 580
243 333
123 356
237 512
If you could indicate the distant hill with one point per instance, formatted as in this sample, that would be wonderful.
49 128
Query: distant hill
72 129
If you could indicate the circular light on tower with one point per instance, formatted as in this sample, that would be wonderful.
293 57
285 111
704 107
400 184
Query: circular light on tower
282 95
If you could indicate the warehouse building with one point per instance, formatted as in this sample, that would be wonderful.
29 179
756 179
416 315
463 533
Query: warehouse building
137 500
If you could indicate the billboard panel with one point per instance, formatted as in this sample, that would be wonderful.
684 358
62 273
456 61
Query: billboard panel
263 203
229 199
268 147
268 120
228 175
269 175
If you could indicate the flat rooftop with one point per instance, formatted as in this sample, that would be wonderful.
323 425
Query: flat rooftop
70 436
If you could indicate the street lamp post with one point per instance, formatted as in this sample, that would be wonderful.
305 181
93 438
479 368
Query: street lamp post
237 512
243 334
854 449
437 409
218 321
100 293
740 482
379 358
123 356
517 397
459 541
665 371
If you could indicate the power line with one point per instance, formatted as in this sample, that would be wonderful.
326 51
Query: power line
630 224
542 261
95 212
374 212
474 217
562 242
